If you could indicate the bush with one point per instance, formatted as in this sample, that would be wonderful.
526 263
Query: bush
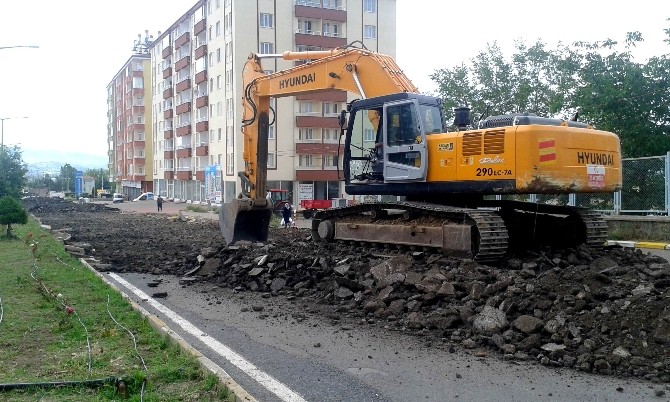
11 211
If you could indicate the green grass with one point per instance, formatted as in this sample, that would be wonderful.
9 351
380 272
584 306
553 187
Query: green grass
41 342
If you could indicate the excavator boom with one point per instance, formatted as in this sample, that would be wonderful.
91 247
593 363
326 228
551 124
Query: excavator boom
360 71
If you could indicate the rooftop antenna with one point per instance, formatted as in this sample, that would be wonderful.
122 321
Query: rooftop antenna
142 46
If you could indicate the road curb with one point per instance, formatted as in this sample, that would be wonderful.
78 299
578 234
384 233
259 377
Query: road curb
157 323
639 244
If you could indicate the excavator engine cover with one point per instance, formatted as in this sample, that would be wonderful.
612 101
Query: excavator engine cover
240 219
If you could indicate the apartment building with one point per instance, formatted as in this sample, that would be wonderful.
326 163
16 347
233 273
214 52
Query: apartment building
129 129
196 87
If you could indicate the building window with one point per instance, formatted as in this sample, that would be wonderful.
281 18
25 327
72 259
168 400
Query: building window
267 48
370 32
330 160
219 108
305 27
218 55
330 134
218 28
368 135
230 138
266 20
230 164
331 4
272 161
218 82
331 29
230 108
220 137
369 6
209 33
305 134
271 133
305 107
305 161
228 22
211 60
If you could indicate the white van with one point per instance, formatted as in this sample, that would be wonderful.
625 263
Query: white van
117 197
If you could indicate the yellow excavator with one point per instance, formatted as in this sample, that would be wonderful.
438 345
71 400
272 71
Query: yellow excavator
449 185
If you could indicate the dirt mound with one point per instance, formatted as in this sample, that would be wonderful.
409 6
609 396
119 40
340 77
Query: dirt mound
604 311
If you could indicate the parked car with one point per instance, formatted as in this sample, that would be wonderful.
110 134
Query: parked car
145 196
117 197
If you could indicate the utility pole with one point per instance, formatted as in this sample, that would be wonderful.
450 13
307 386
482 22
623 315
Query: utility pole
2 126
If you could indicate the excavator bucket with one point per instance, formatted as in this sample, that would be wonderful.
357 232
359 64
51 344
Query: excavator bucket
240 219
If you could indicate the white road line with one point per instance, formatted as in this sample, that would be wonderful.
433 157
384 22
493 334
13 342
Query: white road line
280 390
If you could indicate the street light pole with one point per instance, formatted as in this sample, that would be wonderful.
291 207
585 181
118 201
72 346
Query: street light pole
2 127
14 47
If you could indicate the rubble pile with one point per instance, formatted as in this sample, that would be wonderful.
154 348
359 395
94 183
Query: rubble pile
603 311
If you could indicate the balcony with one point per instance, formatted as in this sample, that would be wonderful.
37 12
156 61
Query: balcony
185 108
201 77
315 175
184 130
138 109
184 153
167 73
184 38
313 10
326 42
138 73
199 26
201 101
168 134
183 85
168 175
202 150
184 175
137 92
138 177
200 175
200 52
168 154
325 96
201 126
316 121
319 148
138 160
183 62
168 93
167 51
135 127
167 113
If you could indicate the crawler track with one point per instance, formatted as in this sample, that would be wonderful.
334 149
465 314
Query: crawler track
490 237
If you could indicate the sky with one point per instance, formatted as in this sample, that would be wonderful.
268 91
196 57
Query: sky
61 86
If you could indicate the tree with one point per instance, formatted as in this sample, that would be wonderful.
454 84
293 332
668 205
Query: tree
67 173
600 80
11 211
12 171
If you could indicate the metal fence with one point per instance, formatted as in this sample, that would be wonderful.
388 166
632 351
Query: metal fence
645 190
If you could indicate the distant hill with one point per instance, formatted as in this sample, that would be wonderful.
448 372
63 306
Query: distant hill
40 162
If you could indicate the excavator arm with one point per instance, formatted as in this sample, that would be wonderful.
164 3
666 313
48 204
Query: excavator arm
360 71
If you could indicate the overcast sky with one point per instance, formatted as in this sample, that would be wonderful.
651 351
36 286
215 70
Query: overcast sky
61 86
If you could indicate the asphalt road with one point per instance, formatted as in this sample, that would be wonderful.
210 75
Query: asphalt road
276 355
321 360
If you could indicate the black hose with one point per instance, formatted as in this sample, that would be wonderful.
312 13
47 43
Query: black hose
56 384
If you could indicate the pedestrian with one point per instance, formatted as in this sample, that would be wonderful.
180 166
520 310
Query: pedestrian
287 212
159 203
